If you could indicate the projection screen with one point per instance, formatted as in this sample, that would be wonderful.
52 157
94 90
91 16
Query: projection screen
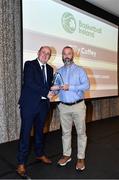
94 40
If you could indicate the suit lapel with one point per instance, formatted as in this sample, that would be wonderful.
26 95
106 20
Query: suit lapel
37 65
40 71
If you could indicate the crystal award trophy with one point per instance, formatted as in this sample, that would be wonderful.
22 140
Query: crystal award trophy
58 79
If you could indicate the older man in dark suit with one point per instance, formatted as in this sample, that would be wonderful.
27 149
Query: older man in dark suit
34 106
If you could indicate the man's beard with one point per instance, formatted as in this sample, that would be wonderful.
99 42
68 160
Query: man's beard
67 61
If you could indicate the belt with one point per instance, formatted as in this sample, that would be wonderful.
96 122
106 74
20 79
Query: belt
70 104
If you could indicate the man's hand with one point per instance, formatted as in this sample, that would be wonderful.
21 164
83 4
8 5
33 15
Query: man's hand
65 87
55 88
50 95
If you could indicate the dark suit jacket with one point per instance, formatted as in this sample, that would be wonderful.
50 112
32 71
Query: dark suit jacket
33 87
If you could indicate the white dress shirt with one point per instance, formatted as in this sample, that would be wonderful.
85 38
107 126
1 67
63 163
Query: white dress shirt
40 63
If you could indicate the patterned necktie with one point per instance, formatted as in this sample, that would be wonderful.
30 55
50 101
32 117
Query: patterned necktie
44 76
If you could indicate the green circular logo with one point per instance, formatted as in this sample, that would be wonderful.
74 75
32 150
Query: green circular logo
68 22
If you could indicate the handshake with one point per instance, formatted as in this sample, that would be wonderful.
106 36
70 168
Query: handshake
54 88
64 87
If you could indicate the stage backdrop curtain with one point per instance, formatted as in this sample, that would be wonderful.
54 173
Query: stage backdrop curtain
10 69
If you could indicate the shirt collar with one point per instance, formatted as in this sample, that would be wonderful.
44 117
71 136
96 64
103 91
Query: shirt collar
40 63
70 66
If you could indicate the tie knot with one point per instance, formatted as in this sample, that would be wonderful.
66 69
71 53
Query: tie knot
43 66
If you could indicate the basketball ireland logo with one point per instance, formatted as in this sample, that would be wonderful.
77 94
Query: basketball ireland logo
68 22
